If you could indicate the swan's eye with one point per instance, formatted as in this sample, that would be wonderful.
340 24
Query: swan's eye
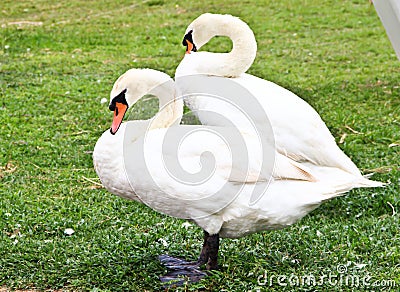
119 98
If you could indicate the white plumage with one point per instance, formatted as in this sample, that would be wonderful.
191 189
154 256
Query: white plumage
298 130
134 162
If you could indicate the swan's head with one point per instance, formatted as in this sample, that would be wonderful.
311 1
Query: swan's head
208 25
129 88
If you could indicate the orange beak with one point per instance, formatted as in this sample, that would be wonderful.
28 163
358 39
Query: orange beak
119 113
189 46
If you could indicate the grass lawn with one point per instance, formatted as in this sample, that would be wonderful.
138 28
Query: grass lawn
59 59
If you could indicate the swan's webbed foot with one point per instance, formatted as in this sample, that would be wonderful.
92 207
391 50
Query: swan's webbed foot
173 263
182 271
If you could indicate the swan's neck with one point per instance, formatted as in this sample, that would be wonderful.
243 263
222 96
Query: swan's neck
170 108
243 51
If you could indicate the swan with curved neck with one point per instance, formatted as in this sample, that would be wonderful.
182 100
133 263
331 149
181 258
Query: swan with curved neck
299 131
131 158
127 90
232 64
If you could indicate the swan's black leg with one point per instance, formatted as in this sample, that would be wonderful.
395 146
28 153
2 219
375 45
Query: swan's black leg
212 246
181 268
205 251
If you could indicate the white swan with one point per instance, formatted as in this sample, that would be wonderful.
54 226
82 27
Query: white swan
299 131
141 160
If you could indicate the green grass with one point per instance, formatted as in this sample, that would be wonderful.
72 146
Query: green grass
335 54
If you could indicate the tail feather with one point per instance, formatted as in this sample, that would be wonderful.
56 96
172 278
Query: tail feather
358 183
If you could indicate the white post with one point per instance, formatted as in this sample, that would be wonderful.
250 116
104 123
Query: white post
389 13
